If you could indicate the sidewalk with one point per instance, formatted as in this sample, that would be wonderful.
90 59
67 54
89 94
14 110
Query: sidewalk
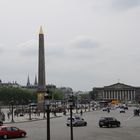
34 117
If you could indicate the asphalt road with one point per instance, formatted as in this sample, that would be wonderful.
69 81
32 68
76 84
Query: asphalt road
129 130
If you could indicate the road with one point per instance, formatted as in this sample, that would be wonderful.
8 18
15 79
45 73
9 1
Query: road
129 130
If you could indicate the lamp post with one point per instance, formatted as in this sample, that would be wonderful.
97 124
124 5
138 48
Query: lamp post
47 98
22 113
44 107
71 103
12 104
89 106
76 104
30 110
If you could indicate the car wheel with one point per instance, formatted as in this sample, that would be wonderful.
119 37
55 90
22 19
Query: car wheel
100 125
5 136
23 135
75 124
118 125
85 124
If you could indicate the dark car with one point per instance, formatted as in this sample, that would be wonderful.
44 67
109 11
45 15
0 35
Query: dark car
136 112
11 132
109 122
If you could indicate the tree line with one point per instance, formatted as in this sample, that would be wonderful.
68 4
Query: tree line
22 96
18 95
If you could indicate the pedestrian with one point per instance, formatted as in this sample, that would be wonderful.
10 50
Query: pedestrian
3 116
1 123
108 110
81 112
8 115
54 112
64 113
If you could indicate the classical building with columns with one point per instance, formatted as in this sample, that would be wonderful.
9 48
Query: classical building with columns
117 91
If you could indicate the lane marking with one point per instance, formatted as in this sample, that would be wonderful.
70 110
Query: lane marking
129 118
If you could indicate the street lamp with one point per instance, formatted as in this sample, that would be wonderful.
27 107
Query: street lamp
76 104
12 104
89 106
71 104
22 110
47 98
30 110
44 108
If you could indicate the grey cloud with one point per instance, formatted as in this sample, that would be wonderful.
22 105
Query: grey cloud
28 48
55 50
1 49
29 52
125 4
84 43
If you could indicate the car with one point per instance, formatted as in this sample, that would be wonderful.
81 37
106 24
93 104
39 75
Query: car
122 110
109 122
93 108
76 121
136 112
125 107
11 132
104 109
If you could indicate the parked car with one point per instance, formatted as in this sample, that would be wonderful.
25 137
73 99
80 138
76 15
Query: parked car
76 121
11 132
109 122
122 110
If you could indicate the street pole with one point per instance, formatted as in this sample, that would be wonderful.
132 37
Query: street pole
44 109
47 98
76 105
89 107
30 110
22 108
48 122
71 126
12 103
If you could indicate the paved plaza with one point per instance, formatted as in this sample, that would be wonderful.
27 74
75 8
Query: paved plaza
129 130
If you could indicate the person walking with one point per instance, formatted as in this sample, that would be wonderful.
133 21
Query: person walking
81 112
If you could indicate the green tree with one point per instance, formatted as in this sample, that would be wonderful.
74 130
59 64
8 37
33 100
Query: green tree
57 94
19 95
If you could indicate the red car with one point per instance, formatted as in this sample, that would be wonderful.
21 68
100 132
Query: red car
11 132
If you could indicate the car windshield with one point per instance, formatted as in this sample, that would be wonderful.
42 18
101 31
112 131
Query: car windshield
111 119
77 118
69 119
14 129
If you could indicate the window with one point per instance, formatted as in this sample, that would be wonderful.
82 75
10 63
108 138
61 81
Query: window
14 129
8 128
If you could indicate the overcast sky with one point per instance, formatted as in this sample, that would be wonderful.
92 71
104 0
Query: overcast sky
88 43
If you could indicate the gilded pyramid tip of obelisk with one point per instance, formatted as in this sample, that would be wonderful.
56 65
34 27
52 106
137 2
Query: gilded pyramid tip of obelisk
41 30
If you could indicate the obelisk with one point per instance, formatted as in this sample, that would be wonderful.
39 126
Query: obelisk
41 69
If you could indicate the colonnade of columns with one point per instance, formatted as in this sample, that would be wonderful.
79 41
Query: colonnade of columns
119 94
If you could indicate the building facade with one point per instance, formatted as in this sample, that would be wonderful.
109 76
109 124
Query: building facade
117 91
9 84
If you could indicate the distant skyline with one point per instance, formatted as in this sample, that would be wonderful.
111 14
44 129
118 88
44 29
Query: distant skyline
88 43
